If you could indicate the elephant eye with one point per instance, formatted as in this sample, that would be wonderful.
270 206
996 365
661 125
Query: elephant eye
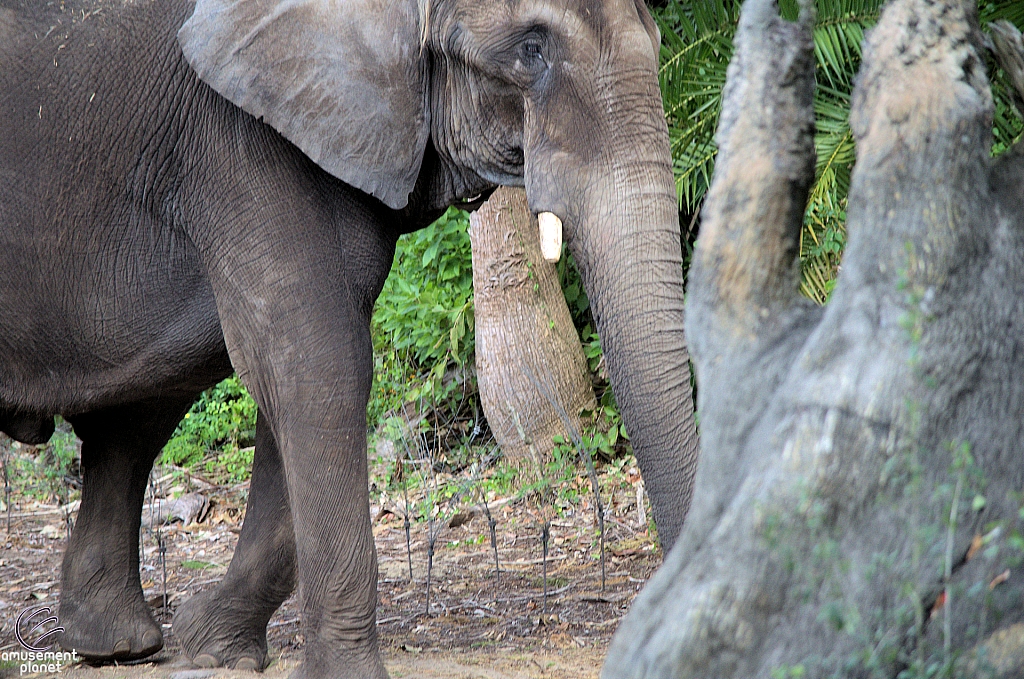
531 54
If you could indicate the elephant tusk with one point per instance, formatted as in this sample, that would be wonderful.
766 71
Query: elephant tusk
550 235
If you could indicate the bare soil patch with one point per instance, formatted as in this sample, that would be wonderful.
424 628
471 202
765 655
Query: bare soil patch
480 624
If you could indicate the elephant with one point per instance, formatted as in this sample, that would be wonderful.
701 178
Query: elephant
190 189
858 507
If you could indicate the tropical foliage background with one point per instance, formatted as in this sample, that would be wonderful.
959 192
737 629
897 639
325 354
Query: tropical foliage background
697 40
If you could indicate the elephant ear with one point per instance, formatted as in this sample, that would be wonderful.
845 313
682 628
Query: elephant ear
341 79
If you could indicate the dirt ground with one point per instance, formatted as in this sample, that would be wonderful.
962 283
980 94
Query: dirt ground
480 624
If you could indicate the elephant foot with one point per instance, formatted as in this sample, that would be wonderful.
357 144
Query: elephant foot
328 661
109 628
219 630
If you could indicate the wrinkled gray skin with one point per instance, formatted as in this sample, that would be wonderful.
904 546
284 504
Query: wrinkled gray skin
155 234
835 440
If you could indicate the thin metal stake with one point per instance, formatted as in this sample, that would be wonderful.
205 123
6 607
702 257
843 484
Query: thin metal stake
585 455
545 533
430 566
408 539
163 566
7 488
600 527
491 524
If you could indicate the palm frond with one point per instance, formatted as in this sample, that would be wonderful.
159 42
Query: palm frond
1010 10
696 49
697 37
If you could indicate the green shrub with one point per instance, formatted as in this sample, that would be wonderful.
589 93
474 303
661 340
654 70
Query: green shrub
576 297
44 473
423 321
223 420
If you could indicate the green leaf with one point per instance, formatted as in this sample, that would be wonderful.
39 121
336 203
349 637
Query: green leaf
696 46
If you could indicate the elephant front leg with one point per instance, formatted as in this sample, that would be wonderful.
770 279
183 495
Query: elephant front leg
102 608
327 485
316 407
295 287
227 625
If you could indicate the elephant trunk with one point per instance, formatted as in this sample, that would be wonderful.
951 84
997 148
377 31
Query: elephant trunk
627 246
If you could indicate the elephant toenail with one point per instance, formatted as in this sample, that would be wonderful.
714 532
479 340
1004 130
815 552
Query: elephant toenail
123 647
152 641
205 660
247 663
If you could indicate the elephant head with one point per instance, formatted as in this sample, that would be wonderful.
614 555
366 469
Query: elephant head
425 103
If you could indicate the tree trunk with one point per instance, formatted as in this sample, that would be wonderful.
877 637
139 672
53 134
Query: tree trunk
530 366
860 426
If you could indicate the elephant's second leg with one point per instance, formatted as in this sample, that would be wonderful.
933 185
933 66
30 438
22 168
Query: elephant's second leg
227 625
102 608
336 555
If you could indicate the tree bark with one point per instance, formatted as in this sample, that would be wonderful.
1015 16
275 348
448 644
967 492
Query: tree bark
531 369
833 528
